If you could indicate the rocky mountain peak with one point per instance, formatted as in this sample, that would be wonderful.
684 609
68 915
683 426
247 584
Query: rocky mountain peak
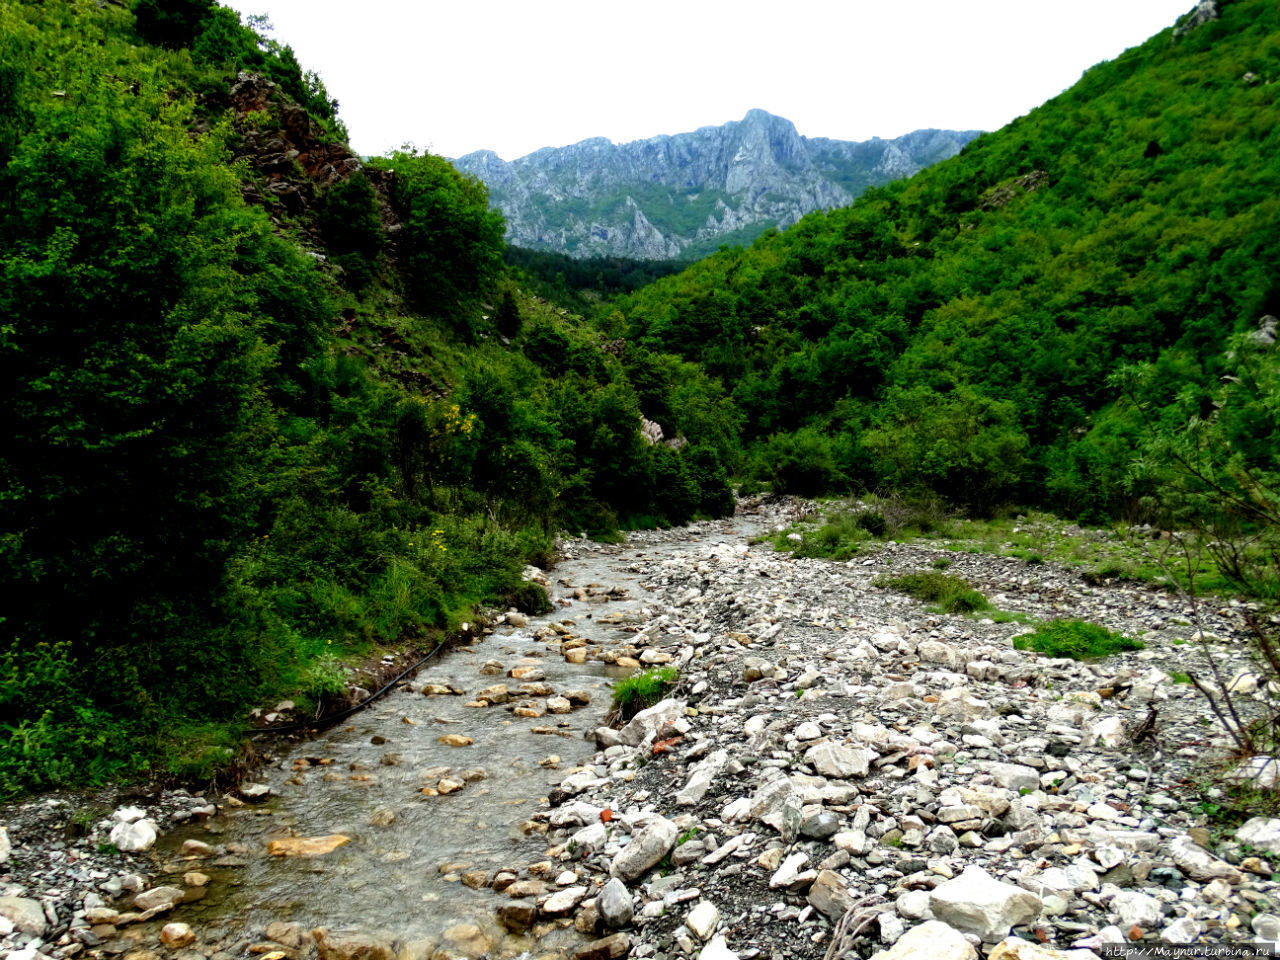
682 195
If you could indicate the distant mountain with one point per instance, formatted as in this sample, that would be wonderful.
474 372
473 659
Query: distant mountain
682 196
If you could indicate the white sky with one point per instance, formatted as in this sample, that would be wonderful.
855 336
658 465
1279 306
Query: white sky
516 75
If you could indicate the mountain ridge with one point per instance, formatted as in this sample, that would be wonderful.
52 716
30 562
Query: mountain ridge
680 195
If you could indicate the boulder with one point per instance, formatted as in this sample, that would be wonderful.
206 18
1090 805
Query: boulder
930 941
653 842
1199 864
975 902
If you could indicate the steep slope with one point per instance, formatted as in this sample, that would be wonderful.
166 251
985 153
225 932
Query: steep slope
957 330
679 196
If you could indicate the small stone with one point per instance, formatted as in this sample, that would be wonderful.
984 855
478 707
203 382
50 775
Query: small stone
702 919
615 904
932 940
306 846
194 878
653 842
610 948
134 837
158 897
351 945
455 740
177 935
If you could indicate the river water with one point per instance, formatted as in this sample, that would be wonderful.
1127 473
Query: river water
400 875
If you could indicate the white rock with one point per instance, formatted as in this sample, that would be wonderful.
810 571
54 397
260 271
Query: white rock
1014 776
647 722
717 949
702 919
975 902
25 914
1262 833
839 761
134 836
808 731
128 815
701 778
789 871
930 941
614 904
5 847
1182 930
1136 909
562 901
651 844
1261 772
914 905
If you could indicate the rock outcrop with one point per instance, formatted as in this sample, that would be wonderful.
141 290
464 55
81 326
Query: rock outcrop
679 196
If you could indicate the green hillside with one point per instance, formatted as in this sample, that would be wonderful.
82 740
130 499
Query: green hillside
957 331
266 406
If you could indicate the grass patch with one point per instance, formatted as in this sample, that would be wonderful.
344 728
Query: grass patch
949 593
641 690
1076 640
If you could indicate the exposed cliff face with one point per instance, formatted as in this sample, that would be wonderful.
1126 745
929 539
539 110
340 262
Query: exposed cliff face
682 195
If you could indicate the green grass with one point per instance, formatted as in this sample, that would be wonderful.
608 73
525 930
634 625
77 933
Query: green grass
640 690
950 594
1076 640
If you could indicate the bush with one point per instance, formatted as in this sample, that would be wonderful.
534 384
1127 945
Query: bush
950 593
1075 640
642 690
529 597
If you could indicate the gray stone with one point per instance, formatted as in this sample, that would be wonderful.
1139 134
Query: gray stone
701 778
1199 864
614 904
975 902
1014 776
158 897
653 842
26 915
930 941
648 722
351 945
839 761
5 847
1136 909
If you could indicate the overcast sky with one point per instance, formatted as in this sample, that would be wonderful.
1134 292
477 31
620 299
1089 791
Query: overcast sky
516 75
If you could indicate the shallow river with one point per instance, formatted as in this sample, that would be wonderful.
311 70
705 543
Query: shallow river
399 876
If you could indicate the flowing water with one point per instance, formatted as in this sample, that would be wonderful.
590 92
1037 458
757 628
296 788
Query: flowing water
399 876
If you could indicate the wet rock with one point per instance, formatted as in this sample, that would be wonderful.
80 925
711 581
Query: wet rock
162 897
306 846
517 917
468 939
975 902
615 904
175 936
609 948
350 945
563 901
455 740
286 933
930 941
653 842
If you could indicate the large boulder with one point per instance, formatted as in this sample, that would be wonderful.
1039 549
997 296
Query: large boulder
653 842
1263 833
975 902
26 915
134 837
930 941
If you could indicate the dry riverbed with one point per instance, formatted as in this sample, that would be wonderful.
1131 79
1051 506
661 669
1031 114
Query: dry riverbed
839 773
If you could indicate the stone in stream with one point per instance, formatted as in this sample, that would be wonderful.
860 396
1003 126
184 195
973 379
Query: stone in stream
158 897
134 837
610 948
351 945
175 936
455 740
653 842
517 917
306 846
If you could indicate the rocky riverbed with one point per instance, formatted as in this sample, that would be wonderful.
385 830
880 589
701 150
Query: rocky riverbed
840 772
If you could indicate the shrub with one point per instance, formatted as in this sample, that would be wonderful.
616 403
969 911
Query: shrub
951 594
641 690
1075 640
529 597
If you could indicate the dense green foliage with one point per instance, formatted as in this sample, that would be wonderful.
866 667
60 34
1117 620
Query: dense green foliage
948 593
581 285
641 690
227 462
955 332
1075 640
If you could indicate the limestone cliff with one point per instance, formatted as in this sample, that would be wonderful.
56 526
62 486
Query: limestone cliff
683 195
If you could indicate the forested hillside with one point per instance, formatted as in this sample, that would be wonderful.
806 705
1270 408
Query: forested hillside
959 331
266 404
